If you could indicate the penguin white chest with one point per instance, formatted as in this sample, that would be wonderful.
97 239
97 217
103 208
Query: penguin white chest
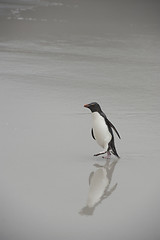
100 130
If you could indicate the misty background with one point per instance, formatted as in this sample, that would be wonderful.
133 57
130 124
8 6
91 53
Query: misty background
56 56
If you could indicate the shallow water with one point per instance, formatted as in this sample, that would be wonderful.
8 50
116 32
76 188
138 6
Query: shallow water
51 185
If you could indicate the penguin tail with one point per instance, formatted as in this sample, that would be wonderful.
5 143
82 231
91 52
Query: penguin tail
113 148
115 152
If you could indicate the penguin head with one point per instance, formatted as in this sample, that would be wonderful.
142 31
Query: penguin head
94 107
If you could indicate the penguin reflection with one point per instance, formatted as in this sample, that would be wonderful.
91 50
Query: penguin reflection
99 186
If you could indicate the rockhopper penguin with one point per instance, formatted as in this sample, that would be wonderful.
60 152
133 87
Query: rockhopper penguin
102 130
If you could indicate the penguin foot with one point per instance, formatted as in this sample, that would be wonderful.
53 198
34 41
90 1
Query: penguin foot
100 153
108 155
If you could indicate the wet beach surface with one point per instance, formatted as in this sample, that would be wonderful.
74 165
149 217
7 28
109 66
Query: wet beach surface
57 56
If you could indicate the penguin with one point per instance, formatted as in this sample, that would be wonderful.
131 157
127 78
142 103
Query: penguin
102 130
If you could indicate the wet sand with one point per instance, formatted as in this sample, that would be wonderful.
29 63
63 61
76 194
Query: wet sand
51 185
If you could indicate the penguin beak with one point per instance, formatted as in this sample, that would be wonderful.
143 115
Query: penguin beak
86 105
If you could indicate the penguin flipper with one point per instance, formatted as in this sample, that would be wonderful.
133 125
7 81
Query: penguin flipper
109 123
92 134
112 126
